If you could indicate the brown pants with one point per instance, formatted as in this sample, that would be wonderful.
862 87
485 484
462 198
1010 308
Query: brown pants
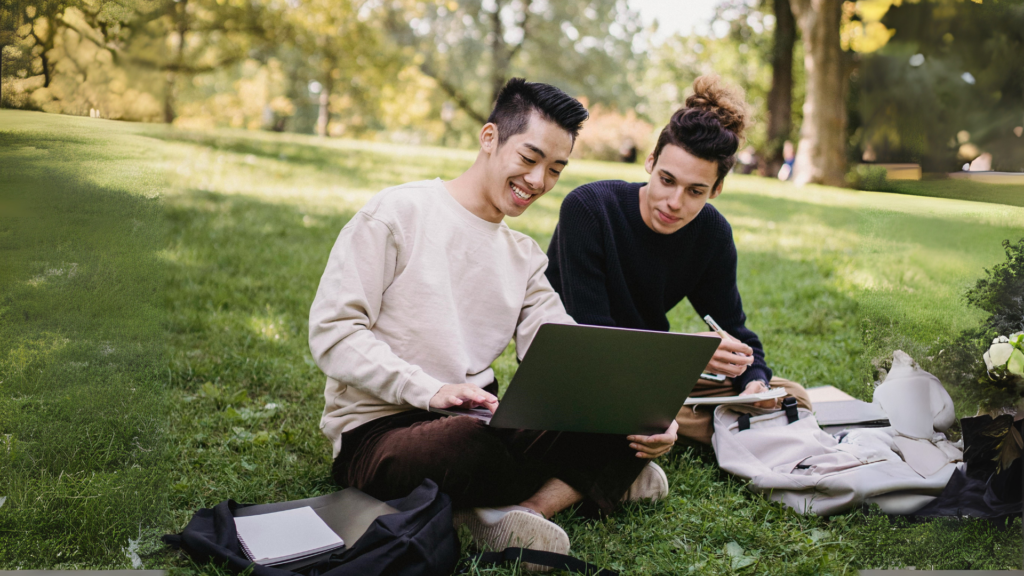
477 465
696 423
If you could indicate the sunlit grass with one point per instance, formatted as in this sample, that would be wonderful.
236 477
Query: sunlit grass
1005 194
250 219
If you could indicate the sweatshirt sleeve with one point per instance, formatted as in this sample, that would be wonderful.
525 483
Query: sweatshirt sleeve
717 294
541 305
347 304
577 249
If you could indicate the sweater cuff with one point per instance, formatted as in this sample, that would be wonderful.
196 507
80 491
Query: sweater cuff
420 388
739 384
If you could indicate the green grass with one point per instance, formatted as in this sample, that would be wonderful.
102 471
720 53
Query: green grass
216 290
83 408
1008 194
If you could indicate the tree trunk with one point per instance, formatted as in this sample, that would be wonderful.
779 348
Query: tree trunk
47 45
323 118
821 154
171 80
500 56
501 52
780 98
46 68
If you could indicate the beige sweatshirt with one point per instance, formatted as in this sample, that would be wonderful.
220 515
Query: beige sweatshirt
418 292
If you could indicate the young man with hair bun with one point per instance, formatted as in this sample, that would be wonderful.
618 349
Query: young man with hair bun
424 289
624 254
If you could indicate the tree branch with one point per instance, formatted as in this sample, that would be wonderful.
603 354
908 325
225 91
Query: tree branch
522 24
455 95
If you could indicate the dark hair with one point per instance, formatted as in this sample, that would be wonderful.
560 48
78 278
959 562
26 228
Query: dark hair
710 125
518 98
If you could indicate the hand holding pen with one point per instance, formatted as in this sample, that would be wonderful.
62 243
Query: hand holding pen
738 350
732 357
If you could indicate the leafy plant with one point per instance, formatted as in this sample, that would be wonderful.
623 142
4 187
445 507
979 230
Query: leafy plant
990 371
869 177
223 397
1001 291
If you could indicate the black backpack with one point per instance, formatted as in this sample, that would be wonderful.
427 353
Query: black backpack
417 541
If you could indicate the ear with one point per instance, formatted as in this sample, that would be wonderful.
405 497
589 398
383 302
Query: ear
717 190
489 137
649 163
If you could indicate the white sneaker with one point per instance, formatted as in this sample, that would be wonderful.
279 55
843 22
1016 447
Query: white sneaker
651 484
513 526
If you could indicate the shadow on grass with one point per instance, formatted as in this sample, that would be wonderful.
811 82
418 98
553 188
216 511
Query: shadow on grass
82 406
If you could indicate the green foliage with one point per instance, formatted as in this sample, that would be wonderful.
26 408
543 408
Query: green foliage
960 362
869 177
472 47
925 111
1001 292
83 409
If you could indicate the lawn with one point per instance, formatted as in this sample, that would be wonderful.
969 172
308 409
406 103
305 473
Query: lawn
154 296
1009 194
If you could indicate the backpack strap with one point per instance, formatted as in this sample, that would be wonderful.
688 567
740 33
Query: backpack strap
539 557
743 422
789 405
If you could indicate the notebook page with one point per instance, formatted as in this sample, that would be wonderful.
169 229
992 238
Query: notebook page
286 534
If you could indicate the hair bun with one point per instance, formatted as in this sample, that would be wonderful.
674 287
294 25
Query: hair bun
726 102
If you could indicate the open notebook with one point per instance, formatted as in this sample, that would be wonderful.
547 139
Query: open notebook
748 399
284 536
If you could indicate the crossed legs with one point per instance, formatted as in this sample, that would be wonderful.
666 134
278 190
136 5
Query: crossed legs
479 466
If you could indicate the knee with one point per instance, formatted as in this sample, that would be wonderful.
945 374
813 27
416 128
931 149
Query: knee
436 448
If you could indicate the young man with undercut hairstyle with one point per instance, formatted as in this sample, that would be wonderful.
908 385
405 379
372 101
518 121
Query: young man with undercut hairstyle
424 289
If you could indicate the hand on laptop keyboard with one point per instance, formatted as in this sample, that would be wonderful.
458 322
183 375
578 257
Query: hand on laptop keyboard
464 396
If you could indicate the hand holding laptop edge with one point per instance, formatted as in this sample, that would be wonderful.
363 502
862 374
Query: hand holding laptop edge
651 447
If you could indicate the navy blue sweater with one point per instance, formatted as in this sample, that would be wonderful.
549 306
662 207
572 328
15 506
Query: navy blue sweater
612 270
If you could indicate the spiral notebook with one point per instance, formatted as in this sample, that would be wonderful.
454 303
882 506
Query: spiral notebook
280 537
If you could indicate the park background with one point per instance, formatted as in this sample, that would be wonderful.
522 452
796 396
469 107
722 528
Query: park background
178 170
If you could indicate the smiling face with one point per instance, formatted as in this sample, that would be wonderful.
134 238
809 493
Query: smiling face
525 167
680 185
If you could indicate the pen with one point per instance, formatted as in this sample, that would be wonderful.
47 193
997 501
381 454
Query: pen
718 329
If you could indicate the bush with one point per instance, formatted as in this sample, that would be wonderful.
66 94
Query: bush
958 360
870 178
606 132
1001 292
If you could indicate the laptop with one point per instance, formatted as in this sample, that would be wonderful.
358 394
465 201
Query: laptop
577 378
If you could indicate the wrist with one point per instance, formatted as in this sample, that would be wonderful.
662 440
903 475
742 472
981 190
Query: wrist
754 385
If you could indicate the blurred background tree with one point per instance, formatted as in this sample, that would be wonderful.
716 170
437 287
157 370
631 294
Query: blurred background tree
471 48
948 86
937 82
